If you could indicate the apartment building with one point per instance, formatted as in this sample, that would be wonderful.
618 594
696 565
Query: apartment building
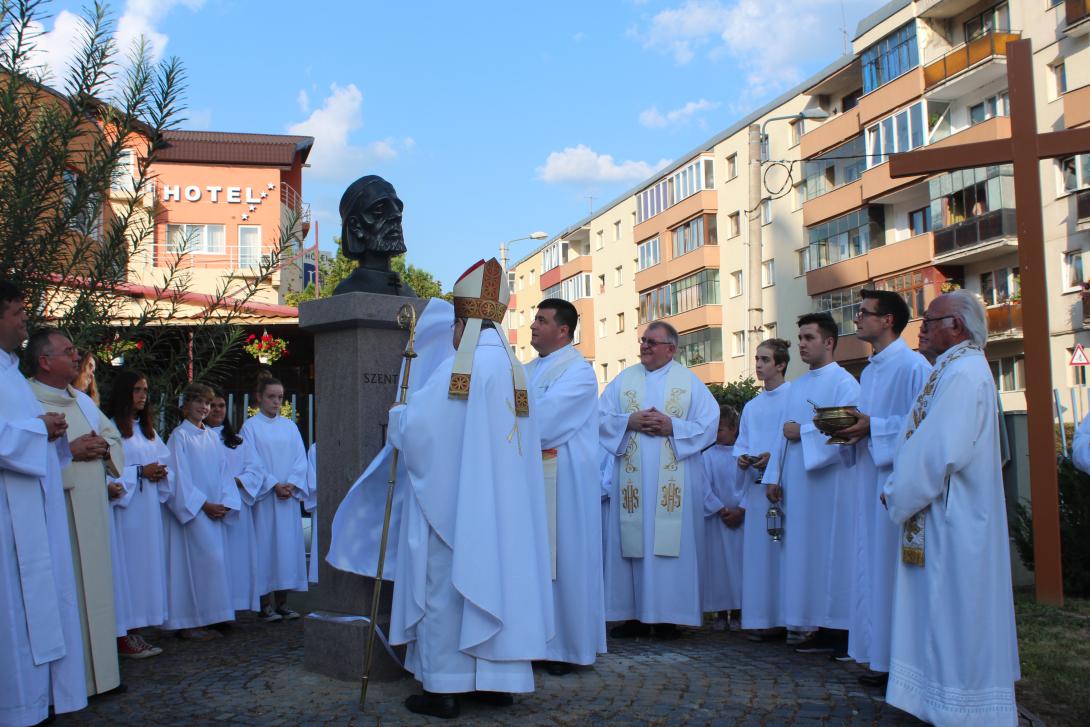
923 73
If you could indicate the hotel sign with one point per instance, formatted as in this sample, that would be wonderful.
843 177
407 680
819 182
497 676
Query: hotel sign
214 193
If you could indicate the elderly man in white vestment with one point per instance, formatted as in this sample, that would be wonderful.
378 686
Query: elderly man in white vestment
41 651
954 654
888 387
97 452
656 417
816 484
472 595
566 413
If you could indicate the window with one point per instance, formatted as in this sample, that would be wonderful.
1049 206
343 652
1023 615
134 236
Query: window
599 240
732 167
692 291
999 286
919 221
738 343
618 275
207 239
602 283
570 289
906 130
651 201
647 253
688 236
797 130
699 347
605 373
917 288
734 224
768 273
844 237
554 256
620 323
835 168
966 194
88 219
1076 375
617 231
249 245
995 18
766 211
522 318
1009 373
770 330
735 283
1059 80
890 57
842 305
989 108
532 277
1075 172
124 172
578 337
602 328
1072 270
692 178
621 364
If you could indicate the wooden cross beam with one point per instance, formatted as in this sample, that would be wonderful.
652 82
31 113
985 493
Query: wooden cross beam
1024 150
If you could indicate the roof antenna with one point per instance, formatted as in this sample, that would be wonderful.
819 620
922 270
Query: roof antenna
844 28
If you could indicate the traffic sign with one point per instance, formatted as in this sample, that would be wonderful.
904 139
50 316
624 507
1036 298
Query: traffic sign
1079 357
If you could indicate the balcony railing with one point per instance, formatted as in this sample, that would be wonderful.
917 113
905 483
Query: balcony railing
1005 319
967 55
1082 202
1076 10
974 231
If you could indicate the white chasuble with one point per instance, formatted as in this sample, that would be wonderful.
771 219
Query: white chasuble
311 506
722 571
647 586
242 567
819 537
138 522
954 651
89 529
278 524
41 646
760 431
473 594
566 413
888 387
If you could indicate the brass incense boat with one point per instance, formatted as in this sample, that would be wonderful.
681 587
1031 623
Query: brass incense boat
830 420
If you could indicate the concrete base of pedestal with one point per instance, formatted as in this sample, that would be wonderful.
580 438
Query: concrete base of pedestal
345 662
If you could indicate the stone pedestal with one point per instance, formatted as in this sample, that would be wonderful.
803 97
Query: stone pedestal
357 360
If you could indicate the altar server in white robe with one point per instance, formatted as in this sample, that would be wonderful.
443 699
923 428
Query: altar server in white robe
888 387
137 515
41 647
198 576
241 539
566 413
1080 446
954 654
281 460
473 595
723 535
760 431
819 535
656 417
96 453
311 506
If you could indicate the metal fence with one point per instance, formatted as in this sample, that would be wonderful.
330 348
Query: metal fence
1069 406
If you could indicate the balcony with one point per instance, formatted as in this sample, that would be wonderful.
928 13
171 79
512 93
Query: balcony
1075 12
833 132
947 78
1005 320
980 238
1082 205
296 213
1077 105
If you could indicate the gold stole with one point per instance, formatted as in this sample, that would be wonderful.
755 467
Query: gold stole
914 530
671 474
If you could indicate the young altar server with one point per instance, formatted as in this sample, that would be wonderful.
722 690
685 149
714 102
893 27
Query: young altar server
281 462
819 490
759 434
140 563
724 516
656 417
241 540
954 654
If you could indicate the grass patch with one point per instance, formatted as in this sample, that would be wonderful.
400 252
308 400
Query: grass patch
1054 648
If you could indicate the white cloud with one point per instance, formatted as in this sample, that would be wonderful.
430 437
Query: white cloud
142 18
654 119
303 99
583 164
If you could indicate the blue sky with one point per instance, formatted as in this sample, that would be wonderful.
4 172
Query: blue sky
492 119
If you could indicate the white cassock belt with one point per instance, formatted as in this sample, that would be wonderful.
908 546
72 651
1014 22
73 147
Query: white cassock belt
670 485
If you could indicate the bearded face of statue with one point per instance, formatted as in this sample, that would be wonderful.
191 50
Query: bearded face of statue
375 226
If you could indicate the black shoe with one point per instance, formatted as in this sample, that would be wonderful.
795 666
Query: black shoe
763 635
629 630
558 668
666 632
819 643
443 706
116 691
495 699
877 679
223 627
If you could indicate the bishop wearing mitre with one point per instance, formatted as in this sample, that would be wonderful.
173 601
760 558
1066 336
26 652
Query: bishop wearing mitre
472 588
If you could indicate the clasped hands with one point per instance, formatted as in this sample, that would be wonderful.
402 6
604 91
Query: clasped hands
153 471
732 517
214 510
88 447
55 424
283 490
652 422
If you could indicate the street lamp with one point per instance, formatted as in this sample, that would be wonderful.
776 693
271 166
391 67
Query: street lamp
754 297
539 235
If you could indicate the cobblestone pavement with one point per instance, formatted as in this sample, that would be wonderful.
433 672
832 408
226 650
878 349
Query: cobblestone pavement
255 676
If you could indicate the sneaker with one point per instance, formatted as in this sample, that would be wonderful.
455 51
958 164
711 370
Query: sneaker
269 615
140 640
798 637
129 648
286 613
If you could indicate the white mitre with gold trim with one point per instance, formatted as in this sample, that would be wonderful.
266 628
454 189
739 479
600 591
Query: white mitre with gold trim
482 294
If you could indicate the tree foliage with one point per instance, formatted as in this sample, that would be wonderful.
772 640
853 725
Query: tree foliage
735 393
333 271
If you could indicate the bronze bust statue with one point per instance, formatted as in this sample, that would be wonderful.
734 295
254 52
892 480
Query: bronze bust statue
371 234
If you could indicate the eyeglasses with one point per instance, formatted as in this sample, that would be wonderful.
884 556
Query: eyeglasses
863 313
69 352
925 322
652 343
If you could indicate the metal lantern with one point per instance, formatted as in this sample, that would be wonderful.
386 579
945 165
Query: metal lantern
774 523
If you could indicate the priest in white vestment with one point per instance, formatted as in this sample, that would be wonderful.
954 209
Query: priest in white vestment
1080 446
721 574
137 515
97 452
656 417
812 477
566 413
954 653
41 647
760 432
472 596
888 387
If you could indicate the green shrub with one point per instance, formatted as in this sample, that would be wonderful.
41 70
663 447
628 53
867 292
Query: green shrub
735 393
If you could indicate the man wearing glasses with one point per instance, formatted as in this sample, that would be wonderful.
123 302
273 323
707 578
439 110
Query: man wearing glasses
954 651
888 387
655 417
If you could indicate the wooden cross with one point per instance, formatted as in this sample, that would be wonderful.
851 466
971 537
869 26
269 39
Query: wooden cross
1024 149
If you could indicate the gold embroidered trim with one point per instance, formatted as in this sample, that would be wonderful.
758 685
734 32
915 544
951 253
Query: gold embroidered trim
459 386
490 310
522 403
